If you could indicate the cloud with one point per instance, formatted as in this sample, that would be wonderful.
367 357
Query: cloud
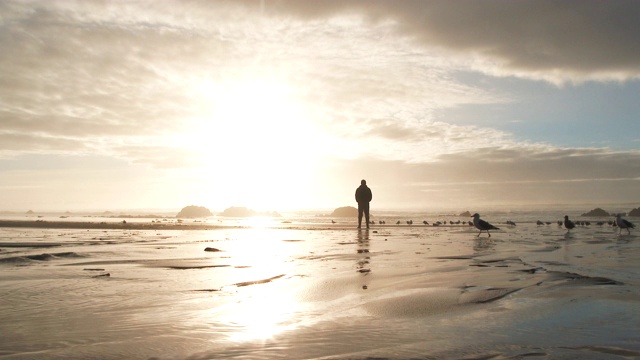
16 143
99 76
146 85
492 176
562 41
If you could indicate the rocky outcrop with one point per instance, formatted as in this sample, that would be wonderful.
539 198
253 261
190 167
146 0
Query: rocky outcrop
345 211
465 214
635 212
193 211
597 212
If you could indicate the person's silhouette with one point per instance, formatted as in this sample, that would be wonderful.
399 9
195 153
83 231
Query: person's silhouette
363 197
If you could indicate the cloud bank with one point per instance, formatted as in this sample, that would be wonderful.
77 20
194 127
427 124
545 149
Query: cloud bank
557 41
157 87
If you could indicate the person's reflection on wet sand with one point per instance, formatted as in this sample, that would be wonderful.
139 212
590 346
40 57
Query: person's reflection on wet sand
362 265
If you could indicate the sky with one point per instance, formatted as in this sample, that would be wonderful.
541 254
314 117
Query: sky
281 104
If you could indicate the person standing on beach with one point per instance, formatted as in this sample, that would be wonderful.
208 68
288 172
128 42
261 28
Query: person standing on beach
363 197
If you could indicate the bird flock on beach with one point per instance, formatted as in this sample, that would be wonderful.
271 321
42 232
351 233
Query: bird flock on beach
482 225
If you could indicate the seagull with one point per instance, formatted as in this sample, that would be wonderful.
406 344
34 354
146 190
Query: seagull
624 224
568 223
482 225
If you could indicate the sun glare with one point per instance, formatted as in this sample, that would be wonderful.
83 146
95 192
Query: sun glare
256 132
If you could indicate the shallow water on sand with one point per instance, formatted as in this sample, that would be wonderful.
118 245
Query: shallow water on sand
313 292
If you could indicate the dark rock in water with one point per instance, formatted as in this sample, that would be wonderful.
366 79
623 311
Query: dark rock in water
596 212
193 211
635 212
345 211
210 249
466 213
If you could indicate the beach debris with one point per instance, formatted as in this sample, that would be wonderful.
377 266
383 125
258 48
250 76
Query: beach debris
482 225
264 281
207 290
593 280
494 294
535 270
194 267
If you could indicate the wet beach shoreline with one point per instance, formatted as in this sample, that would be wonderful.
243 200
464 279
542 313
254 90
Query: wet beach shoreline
317 292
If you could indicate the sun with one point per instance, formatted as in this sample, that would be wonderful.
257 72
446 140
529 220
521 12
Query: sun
256 131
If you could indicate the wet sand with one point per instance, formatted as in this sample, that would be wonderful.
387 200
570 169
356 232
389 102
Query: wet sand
305 292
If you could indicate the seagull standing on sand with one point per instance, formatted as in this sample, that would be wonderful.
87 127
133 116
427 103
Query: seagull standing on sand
568 223
482 225
624 224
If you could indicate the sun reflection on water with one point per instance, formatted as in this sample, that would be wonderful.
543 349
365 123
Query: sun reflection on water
262 316
260 221
265 299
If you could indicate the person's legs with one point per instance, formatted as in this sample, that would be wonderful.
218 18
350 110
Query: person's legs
360 211
366 213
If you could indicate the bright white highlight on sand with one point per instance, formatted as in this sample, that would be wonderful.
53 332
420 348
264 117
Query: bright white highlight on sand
262 315
263 311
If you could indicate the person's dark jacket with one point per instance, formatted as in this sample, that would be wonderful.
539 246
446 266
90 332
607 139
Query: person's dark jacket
363 194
